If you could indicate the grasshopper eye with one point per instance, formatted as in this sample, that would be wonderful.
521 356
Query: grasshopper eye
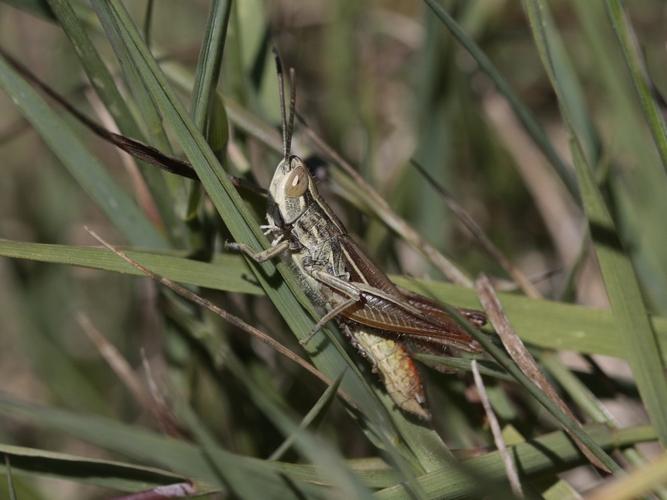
297 182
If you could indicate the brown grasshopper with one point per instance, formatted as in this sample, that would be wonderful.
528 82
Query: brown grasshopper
385 323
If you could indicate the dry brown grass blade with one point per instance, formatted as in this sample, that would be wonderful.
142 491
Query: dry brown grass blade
141 191
227 316
388 216
561 216
508 461
478 233
136 149
158 409
524 360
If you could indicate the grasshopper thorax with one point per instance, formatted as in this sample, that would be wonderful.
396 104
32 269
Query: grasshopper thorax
290 189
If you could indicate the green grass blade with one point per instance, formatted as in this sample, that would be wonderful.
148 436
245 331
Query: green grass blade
10 478
329 463
210 61
637 484
634 59
229 272
551 452
625 296
83 166
522 112
35 7
148 109
543 323
181 457
634 329
317 411
638 190
147 28
219 460
105 87
207 107
107 473
572 90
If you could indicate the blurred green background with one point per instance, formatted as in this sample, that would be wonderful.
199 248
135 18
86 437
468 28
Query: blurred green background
385 84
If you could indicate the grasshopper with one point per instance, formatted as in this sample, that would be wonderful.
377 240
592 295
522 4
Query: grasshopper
384 323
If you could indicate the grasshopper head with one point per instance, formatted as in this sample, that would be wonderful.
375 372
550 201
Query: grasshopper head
289 187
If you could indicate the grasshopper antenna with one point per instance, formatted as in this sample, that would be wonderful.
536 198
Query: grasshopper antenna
292 110
287 121
281 91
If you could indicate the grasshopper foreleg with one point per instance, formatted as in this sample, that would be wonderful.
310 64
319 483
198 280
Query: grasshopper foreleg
261 256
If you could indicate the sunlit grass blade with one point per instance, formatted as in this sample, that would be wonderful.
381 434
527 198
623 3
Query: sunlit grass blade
635 485
634 330
552 452
564 418
228 272
83 166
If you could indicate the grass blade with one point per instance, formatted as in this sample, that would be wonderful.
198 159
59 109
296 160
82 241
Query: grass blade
543 323
107 473
633 58
634 329
551 452
84 167
635 485
315 412
523 113
105 87
10 478
181 457
210 60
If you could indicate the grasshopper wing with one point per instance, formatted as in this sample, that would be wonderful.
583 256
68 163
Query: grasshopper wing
387 308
